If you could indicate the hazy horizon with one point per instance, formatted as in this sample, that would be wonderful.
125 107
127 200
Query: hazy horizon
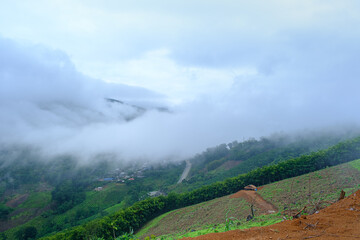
226 70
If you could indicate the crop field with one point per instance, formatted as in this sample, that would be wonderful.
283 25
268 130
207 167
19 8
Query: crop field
314 190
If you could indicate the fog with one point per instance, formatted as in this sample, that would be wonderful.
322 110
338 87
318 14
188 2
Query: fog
263 69
46 103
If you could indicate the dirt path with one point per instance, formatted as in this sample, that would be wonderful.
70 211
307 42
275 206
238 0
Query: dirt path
17 201
338 221
185 172
255 199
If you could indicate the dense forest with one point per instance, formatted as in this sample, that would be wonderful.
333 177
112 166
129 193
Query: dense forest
211 165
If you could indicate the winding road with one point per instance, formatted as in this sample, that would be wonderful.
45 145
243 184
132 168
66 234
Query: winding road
185 172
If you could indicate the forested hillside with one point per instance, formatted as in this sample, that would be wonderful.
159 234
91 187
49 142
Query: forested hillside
54 194
141 212
229 160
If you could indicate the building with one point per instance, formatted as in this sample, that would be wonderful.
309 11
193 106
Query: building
250 187
155 194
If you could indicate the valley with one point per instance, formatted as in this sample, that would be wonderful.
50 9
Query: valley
68 196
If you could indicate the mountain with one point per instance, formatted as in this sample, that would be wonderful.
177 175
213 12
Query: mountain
271 204
135 111
58 193
135 216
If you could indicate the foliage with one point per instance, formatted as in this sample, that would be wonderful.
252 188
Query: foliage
3 236
229 221
26 233
251 154
72 198
137 215
67 195
356 164
4 211
260 221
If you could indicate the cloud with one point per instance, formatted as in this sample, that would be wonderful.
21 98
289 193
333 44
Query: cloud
45 102
230 70
48 104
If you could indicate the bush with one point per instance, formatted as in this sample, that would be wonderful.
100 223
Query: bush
26 233
4 211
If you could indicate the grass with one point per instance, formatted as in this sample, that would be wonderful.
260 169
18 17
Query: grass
289 194
260 221
355 164
110 199
197 217
320 186
37 200
115 207
151 224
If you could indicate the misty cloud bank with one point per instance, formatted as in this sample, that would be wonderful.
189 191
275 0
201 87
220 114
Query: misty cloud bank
308 81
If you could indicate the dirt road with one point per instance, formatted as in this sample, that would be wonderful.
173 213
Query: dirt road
255 199
185 172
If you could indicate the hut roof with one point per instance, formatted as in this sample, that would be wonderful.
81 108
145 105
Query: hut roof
250 187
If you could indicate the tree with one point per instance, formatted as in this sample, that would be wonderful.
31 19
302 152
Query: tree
3 236
4 211
26 233
67 195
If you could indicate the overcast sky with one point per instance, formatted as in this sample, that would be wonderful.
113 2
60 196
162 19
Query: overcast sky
228 70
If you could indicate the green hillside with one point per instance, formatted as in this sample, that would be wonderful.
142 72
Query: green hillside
229 160
140 213
33 204
58 194
314 190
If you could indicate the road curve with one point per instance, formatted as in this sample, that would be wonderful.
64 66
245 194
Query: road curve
185 172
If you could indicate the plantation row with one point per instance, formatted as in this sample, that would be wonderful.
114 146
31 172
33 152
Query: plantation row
134 217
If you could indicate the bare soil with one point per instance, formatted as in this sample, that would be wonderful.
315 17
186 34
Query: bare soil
253 198
340 220
17 201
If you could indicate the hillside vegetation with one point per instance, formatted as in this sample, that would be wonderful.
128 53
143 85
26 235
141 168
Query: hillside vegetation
62 195
314 190
229 160
136 216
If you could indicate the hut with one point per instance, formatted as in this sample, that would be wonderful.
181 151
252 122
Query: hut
250 187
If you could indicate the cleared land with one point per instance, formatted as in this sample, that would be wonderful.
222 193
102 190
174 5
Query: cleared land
314 190
338 221
256 200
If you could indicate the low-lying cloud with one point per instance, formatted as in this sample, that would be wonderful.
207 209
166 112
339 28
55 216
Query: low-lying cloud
46 103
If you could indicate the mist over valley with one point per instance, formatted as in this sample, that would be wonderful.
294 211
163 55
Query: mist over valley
115 115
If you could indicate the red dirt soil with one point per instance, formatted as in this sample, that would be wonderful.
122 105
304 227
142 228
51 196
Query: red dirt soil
253 198
341 220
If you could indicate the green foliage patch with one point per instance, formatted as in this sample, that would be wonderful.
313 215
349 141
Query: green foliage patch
37 200
356 164
260 221
4 211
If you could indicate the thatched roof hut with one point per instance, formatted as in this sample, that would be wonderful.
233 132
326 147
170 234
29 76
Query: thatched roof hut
250 187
